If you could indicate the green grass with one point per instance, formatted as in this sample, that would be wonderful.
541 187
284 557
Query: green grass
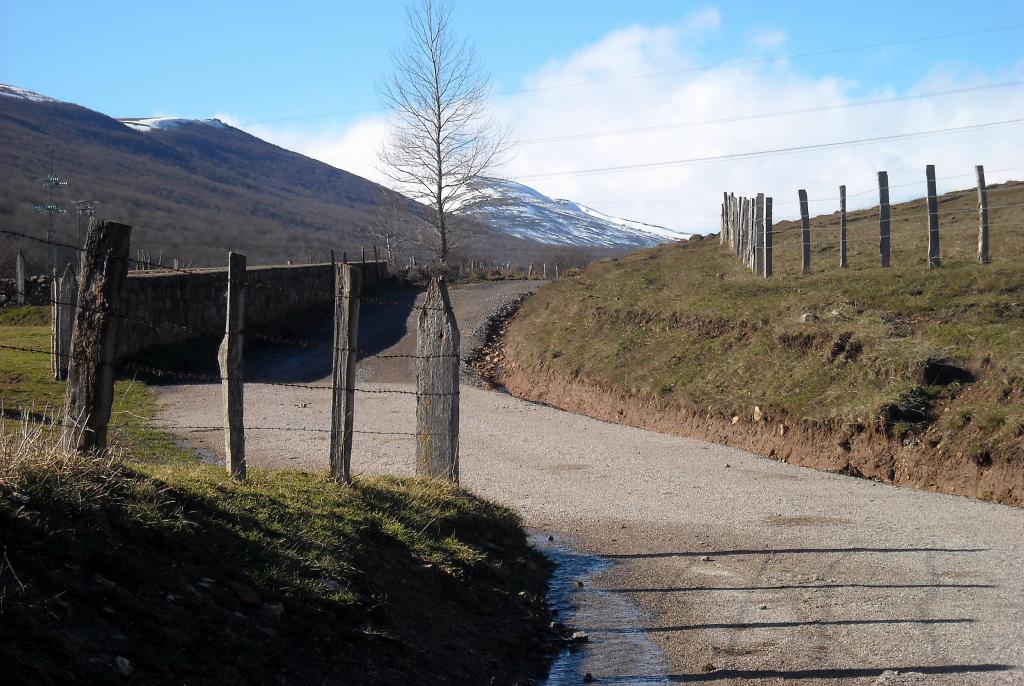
30 315
388 581
687 323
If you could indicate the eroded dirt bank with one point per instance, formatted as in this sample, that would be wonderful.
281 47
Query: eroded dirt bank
855 448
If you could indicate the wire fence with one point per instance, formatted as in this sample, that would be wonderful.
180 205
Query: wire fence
135 369
748 229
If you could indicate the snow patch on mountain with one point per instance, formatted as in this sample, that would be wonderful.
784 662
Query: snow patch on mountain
152 123
23 94
524 212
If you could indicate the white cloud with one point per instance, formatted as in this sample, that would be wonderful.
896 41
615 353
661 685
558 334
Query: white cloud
687 197
352 147
767 39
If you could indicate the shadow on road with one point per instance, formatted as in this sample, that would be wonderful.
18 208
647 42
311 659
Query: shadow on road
792 587
786 625
787 551
800 674
304 355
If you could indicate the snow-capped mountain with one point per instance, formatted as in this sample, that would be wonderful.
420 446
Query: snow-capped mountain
150 123
523 212
23 94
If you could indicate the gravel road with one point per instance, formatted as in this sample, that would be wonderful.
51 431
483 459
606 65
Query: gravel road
745 570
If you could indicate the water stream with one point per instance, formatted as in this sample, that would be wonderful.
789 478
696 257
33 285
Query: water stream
616 653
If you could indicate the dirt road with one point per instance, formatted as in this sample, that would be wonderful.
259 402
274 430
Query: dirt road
747 570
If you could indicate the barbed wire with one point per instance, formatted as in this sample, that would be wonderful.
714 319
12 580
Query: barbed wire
210 378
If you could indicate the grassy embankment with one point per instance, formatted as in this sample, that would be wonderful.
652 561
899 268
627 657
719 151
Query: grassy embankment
907 374
158 565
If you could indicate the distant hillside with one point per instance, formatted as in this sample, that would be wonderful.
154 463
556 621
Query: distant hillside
523 212
192 189
905 374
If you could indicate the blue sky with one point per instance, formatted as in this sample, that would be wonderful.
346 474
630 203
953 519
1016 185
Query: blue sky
259 64
272 60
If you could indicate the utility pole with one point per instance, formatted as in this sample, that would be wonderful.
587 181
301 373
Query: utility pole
49 182
84 208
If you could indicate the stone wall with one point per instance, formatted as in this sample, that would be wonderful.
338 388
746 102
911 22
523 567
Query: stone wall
164 307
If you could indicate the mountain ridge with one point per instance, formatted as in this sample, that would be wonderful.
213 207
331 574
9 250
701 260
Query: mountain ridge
525 212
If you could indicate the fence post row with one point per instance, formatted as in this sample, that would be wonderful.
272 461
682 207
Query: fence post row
805 227
90 390
983 255
437 386
883 217
843 260
232 369
348 288
933 218
767 238
64 291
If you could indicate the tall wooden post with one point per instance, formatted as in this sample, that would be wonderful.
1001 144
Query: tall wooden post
884 230
725 218
90 391
232 369
805 230
437 386
743 229
19 278
983 255
767 240
65 292
343 381
933 218
758 262
843 259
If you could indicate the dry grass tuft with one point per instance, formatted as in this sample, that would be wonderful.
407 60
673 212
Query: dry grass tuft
37 463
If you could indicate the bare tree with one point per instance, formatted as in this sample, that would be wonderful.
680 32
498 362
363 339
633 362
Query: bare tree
442 140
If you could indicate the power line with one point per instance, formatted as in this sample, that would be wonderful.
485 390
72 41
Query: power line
674 72
770 152
767 115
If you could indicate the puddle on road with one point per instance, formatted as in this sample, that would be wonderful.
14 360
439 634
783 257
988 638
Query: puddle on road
207 456
614 654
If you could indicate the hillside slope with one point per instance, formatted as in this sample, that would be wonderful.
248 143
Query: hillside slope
193 190
900 374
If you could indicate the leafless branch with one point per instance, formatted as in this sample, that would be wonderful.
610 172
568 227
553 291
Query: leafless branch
442 139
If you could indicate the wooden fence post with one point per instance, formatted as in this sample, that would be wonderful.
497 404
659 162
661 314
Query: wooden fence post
767 239
744 212
19 278
738 207
64 291
843 260
983 255
343 382
437 386
884 230
758 263
933 218
723 223
90 391
805 230
232 368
